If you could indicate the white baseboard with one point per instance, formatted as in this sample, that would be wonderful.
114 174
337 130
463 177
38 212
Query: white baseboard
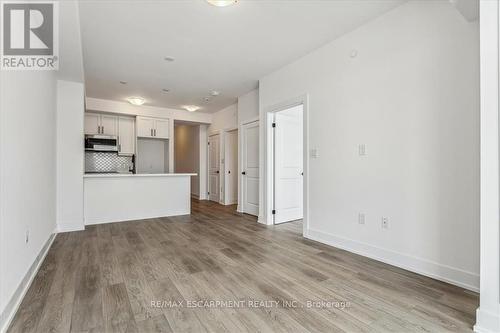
487 322
195 196
11 308
455 276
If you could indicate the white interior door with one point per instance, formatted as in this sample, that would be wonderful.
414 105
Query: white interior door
231 168
288 165
214 167
250 168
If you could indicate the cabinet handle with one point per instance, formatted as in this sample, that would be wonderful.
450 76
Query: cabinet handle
155 131
151 132
120 148
99 129
102 129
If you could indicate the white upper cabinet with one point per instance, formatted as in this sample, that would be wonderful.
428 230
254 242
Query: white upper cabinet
101 124
145 127
161 128
126 135
92 123
152 127
109 125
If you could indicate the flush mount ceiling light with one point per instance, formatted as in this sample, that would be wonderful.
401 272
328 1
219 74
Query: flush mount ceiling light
165 90
191 108
222 3
123 82
136 100
214 93
169 58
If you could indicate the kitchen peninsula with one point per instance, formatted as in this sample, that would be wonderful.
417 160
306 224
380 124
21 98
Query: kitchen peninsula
119 197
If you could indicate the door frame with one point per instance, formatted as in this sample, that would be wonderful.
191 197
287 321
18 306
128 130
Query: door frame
241 149
269 154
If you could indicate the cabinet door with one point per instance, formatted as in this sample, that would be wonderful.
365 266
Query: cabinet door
92 123
161 128
126 135
109 125
145 127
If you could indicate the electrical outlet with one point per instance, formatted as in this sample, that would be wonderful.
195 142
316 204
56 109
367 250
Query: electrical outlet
385 222
27 236
361 218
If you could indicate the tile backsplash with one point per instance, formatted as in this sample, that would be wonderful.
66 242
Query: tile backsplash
107 162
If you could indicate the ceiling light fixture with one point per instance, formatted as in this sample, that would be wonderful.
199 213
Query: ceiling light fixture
168 58
222 3
191 108
165 90
123 82
214 93
136 100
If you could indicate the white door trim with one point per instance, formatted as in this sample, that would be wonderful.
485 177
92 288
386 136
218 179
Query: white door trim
221 185
266 210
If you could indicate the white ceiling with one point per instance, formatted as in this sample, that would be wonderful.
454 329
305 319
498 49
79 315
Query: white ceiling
226 49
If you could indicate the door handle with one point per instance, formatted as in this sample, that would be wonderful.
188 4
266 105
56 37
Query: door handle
217 171
301 173
244 173
229 172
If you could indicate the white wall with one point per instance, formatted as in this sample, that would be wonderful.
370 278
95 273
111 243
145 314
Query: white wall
187 153
224 119
412 96
27 176
70 109
248 106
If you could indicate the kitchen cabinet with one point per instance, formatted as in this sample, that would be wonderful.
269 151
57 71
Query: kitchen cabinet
145 127
152 128
104 124
126 135
161 128
92 123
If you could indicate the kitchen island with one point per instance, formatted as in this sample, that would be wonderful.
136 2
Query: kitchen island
119 197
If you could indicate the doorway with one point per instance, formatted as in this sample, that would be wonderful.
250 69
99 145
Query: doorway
288 166
214 167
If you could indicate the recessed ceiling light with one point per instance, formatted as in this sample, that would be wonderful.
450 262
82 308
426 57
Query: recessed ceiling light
191 108
123 82
168 58
214 93
165 90
136 100
222 3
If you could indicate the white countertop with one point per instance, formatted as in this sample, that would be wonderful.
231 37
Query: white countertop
107 175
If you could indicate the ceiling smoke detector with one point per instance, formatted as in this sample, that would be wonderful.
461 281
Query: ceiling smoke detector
136 100
222 3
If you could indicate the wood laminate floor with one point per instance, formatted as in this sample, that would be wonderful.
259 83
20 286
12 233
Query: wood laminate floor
167 274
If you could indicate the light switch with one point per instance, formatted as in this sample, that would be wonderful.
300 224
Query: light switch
362 149
314 153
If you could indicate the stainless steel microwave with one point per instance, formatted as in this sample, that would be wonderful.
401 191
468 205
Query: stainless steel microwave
101 143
